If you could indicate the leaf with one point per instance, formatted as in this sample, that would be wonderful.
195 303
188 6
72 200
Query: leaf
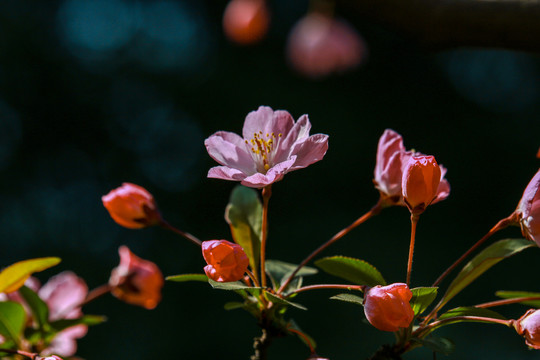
466 311
39 308
519 294
237 286
12 319
89 320
437 344
187 277
355 299
354 270
244 216
422 298
280 271
14 276
278 300
482 262
233 305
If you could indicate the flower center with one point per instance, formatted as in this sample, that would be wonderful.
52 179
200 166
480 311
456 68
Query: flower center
263 146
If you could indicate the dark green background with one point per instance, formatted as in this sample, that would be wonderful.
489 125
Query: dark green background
95 93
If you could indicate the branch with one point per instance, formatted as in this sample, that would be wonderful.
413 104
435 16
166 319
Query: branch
441 24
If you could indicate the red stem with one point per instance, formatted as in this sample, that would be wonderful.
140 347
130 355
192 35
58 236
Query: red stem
414 222
373 211
266 194
329 286
507 301
303 336
164 224
512 219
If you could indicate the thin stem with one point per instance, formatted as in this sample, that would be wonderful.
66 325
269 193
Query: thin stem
419 332
253 278
507 301
30 355
414 222
328 286
266 194
304 337
499 226
164 224
96 293
373 211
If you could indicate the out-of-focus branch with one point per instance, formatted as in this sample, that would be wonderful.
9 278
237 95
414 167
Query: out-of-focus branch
440 24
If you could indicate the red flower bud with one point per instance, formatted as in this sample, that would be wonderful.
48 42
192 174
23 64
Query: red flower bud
226 261
387 307
420 183
131 206
528 326
136 281
538 153
246 21
529 210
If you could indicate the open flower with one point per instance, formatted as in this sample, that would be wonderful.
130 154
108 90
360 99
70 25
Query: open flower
132 206
387 307
136 281
529 210
528 326
272 145
64 294
226 261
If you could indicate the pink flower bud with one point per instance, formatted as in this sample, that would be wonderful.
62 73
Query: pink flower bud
387 307
320 45
226 261
420 182
246 21
136 281
528 326
132 206
54 357
529 210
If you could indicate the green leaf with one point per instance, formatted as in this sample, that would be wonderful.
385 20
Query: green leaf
306 339
482 262
233 305
237 286
422 298
39 308
437 344
12 319
471 311
278 300
519 294
88 320
354 270
355 299
187 277
244 216
14 276
280 271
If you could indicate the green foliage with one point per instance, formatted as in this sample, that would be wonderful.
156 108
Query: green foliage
89 320
14 276
482 262
355 299
187 277
520 294
354 270
233 305
422 298
244 216
12 319
278 300
233 285
437 344
39 308
279 272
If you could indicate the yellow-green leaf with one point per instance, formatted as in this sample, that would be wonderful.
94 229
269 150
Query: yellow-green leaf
14 276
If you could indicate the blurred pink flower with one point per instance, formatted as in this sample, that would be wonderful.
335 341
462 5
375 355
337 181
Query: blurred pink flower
319 45
246 21
528 326
272 145
64 293
529 210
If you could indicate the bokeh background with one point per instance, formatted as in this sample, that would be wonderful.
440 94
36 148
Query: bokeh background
97 92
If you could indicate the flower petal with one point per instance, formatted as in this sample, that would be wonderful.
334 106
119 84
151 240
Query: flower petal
298 133
273 175
310 151
226 173
229 149
267 121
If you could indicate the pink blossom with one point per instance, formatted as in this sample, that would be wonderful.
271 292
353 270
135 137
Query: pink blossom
528 326
320 45
529 210
272 145
392 158
63 294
